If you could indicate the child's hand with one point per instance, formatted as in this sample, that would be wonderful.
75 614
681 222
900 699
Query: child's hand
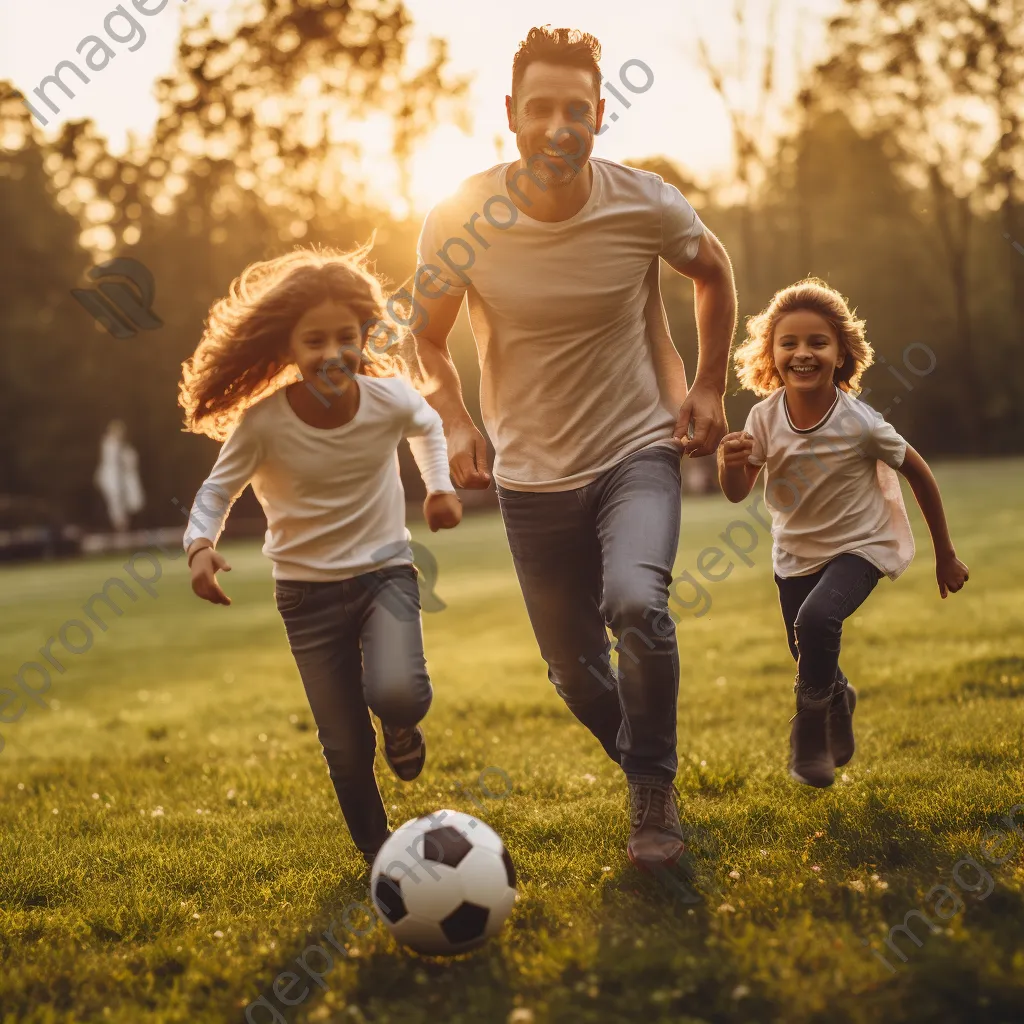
205 567
735 449
442 511
951 573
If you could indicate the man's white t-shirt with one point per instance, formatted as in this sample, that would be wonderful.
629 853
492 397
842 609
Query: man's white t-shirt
832 488
568 385
333 498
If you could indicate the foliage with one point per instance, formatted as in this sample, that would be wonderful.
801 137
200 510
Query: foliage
257 148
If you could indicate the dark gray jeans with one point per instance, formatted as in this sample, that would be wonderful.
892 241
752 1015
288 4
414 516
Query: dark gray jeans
358 646
814 607
601 556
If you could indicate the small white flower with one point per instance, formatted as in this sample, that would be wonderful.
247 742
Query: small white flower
218 934
734 874
95 796
195 916
231 794
590 778
857 884
814 867
158 812
55 811
740 991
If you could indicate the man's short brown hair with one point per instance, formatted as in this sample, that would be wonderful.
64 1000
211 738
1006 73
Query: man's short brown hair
566 46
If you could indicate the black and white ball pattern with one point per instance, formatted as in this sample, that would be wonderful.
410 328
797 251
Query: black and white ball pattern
443 884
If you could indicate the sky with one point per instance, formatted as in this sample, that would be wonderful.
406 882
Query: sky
678 116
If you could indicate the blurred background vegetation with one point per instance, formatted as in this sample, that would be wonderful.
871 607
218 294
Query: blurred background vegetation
897 177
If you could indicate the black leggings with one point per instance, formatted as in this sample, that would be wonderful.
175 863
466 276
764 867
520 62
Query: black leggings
814 608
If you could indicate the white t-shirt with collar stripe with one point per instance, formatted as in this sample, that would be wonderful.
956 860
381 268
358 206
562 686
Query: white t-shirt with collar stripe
832 488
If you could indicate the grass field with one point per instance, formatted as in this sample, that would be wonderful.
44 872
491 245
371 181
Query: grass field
171 843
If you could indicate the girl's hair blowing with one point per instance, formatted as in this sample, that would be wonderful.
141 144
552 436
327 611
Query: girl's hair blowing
243 354
755 364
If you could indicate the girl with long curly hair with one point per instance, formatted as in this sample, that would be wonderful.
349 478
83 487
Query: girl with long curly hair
838 519
320 452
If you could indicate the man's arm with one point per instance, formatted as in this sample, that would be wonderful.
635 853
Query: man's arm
668 363
467 449
714 292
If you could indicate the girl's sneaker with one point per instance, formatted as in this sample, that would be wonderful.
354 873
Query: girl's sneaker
810 760
840 725
405 751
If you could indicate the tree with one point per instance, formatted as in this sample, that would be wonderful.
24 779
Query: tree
904 66
752 139
48 346
993 71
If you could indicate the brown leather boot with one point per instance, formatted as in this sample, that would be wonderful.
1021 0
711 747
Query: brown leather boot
840 725
810 758
655 837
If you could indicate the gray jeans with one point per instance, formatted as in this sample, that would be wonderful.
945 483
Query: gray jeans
814 607
601 556
358 646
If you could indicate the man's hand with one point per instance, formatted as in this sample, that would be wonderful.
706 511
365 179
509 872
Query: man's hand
950 573
705 409
467 457
442 511
205 566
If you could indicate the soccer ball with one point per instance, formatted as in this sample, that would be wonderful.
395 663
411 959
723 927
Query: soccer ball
443 884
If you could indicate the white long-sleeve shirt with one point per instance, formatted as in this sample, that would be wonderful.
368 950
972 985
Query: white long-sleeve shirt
333 498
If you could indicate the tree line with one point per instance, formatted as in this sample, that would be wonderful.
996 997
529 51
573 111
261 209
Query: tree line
897 179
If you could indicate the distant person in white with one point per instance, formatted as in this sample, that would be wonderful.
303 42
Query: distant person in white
322 459
573 386
117 476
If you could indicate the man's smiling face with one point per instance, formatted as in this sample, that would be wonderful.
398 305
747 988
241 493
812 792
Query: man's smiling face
555 109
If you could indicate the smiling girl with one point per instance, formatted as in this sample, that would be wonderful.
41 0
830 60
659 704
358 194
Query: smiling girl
320 453
838 519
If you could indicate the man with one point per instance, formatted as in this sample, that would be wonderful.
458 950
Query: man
587 454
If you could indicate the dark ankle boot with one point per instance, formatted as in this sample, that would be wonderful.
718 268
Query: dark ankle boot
810 759
840 724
